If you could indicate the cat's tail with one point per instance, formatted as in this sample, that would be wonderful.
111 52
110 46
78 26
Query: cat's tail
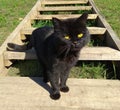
16 47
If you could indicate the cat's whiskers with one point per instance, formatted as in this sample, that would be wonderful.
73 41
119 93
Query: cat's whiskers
65 49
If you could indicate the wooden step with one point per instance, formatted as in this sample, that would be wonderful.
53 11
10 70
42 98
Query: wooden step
64 16
63 8
61 2
99 53
30 93
87 53
92 30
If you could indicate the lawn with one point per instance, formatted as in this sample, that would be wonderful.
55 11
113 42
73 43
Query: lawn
12 14
110 9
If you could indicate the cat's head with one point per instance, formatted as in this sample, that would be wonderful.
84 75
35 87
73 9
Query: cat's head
72 31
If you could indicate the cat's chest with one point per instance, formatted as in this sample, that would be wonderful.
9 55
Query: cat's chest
64 65
69 60
71 57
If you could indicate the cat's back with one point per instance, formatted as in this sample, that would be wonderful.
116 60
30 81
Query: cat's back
39 35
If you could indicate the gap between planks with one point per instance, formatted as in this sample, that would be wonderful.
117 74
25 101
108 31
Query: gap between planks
92 30
87 53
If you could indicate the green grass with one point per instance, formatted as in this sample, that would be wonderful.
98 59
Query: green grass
110 9
25 68
11 14
91 70
42 23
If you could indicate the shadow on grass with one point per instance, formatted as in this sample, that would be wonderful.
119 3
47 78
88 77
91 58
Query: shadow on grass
31 68
83 69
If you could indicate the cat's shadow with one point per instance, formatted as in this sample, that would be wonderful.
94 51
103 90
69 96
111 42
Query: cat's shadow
39 81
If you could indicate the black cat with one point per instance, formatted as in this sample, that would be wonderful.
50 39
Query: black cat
58 48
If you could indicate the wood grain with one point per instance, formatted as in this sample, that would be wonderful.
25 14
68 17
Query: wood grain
87 53
61 2
30 93
64 16
92 30
63 8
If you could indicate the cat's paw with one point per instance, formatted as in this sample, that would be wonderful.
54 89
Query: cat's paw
64 89
55 96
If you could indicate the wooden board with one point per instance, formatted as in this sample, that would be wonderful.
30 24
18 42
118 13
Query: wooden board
87 53
63 8
24 93
61 2
64 16
92 30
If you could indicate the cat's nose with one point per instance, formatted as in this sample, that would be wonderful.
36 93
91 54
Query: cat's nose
75 42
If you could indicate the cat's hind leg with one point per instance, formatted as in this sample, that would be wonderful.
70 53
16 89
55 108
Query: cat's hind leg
45 75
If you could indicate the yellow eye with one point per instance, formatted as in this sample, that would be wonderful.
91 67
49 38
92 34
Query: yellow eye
67 37
80 35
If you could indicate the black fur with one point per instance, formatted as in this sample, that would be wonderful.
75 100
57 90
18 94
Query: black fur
57 53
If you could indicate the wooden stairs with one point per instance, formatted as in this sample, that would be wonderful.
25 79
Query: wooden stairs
85 94
63 9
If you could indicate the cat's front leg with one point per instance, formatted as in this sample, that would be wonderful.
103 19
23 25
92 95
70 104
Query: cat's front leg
63 80
54 81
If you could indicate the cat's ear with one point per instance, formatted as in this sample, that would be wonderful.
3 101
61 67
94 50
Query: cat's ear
56 22
83 18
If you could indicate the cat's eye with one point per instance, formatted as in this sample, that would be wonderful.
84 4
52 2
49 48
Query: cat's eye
67 37
80 35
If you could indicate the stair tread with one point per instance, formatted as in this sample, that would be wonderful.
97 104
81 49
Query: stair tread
92 30
63 16
31 93
63 8
87 53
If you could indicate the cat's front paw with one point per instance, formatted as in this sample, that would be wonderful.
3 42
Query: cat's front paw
55 96
64 89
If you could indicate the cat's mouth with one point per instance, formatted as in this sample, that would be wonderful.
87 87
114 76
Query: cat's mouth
75 47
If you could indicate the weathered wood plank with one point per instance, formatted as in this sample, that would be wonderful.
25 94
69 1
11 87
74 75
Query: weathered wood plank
87 53
92 30
61 2
30 93
20 55
99 53
63 8
63 16
96 30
